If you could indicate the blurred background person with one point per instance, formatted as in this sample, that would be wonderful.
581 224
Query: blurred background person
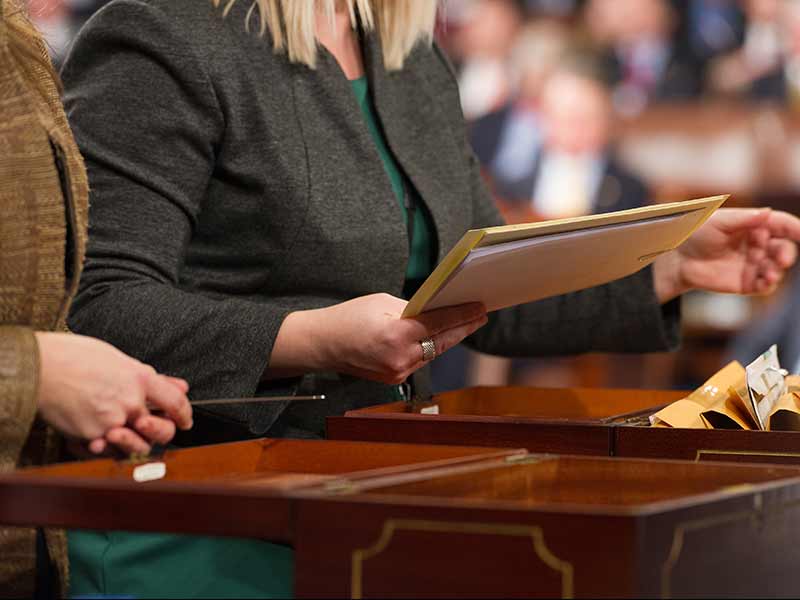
565 166
480 35
508 139
640 39
767 65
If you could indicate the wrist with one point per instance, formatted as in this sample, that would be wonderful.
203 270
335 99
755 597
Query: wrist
300 344
668 279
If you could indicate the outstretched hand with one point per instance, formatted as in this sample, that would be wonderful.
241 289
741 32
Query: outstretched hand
737 251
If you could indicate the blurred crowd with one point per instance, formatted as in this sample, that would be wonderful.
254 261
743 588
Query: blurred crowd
543 81
555 93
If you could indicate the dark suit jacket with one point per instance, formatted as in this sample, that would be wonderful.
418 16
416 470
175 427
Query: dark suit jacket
682 78
232 187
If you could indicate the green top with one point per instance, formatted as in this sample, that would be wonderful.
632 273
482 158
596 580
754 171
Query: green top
422 253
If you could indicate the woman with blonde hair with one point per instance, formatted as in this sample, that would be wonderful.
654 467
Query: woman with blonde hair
271 180
51 380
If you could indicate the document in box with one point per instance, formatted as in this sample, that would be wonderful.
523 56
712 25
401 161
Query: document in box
506 266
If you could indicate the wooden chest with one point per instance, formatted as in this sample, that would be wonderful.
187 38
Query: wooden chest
599 422
382 520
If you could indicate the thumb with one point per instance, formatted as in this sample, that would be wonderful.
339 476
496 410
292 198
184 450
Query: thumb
737 220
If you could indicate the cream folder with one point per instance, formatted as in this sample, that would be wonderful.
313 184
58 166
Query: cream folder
515 264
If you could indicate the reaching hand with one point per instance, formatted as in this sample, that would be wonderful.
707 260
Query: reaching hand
92 391
738 251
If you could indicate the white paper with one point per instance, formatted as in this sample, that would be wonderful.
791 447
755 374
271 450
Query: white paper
766 383
514 273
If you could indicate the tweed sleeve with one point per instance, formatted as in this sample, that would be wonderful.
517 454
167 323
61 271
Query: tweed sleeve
19 375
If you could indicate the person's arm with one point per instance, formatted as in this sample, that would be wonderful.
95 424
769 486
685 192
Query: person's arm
148 122
85 389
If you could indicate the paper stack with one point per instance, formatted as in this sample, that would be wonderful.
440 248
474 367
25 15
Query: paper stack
760 397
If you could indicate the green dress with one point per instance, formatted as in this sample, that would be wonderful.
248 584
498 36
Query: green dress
145 565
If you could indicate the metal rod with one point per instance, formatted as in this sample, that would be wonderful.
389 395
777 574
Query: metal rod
265 399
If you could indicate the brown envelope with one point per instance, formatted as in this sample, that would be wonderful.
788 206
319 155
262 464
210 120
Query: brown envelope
714 396
728 413
785 415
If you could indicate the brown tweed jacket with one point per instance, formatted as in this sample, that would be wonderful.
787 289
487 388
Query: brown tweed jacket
43 224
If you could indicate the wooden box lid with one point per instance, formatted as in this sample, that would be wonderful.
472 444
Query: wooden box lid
239 488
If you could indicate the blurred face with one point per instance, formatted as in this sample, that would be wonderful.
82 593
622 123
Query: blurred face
576 114
626 21
488 30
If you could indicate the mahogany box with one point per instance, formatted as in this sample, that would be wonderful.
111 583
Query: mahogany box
599 422
383 520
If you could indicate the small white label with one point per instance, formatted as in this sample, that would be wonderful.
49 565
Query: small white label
149 472
430 410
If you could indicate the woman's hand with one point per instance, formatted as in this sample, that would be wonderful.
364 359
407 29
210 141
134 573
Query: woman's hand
90 390
367 337
738 251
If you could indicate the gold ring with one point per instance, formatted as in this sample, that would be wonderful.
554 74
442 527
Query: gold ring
428 349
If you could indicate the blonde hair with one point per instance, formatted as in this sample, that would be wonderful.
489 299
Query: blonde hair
400 23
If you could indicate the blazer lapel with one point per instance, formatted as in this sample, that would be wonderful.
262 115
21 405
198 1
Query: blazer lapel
417 135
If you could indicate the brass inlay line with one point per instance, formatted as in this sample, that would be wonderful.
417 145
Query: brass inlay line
705 451
391 526
682 529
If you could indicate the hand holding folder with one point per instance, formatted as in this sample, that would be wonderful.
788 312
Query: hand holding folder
516 264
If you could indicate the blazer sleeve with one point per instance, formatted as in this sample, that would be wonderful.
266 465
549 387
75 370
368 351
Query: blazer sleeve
622 316
19 377
147 121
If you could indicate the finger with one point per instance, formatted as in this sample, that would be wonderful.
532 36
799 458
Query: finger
750 277
783 225
165 396
179 383
782 252
759 237
155 429
434 322
127 441
98 446
736 220
756 253
450 338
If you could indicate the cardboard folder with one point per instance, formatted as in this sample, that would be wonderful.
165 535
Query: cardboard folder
515 264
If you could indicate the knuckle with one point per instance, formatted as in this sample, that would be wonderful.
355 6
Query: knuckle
397 379
393 337
398 366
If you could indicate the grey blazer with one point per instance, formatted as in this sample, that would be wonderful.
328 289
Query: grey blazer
231 187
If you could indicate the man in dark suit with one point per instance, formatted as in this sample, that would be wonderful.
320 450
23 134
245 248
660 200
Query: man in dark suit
557 161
